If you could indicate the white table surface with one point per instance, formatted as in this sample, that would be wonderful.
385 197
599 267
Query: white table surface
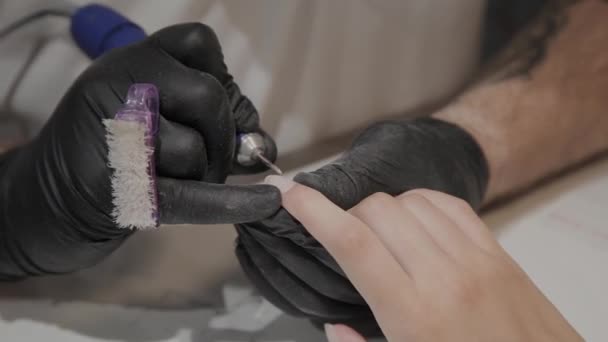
558 233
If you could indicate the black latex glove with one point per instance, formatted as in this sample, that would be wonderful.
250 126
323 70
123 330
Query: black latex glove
296 273
55 192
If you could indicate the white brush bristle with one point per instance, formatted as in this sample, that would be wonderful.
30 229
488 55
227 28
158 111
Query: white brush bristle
132 192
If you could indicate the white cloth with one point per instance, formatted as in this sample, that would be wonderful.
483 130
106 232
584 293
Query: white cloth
314 68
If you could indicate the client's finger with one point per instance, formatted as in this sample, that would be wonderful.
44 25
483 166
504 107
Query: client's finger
401 232
464 216
342 333
368 264
443 230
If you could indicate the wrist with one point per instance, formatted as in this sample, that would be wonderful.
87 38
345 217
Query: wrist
498 117
493 147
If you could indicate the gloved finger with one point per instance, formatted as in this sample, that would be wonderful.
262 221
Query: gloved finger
180 152
190 97
278 292
359 173
196 46
255 276
306 267
307 301
246 115
283 225
193 202
270 153
197 100
327 178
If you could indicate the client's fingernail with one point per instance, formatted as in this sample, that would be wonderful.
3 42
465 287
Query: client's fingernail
330 333
283 183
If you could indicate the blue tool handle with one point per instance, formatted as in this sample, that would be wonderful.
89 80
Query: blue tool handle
97 29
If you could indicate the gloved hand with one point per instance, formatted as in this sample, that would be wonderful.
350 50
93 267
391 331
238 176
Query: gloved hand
294 271
55 192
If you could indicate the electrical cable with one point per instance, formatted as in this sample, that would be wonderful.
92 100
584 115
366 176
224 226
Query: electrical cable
40 14
16 25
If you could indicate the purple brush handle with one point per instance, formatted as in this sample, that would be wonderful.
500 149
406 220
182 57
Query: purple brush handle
142 106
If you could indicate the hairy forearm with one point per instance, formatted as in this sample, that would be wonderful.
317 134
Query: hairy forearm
541 105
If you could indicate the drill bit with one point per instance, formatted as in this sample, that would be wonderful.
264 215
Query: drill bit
260 156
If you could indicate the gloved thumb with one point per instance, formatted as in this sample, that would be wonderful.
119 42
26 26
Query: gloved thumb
339 184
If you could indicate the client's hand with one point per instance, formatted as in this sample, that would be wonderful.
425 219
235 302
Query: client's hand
428 267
